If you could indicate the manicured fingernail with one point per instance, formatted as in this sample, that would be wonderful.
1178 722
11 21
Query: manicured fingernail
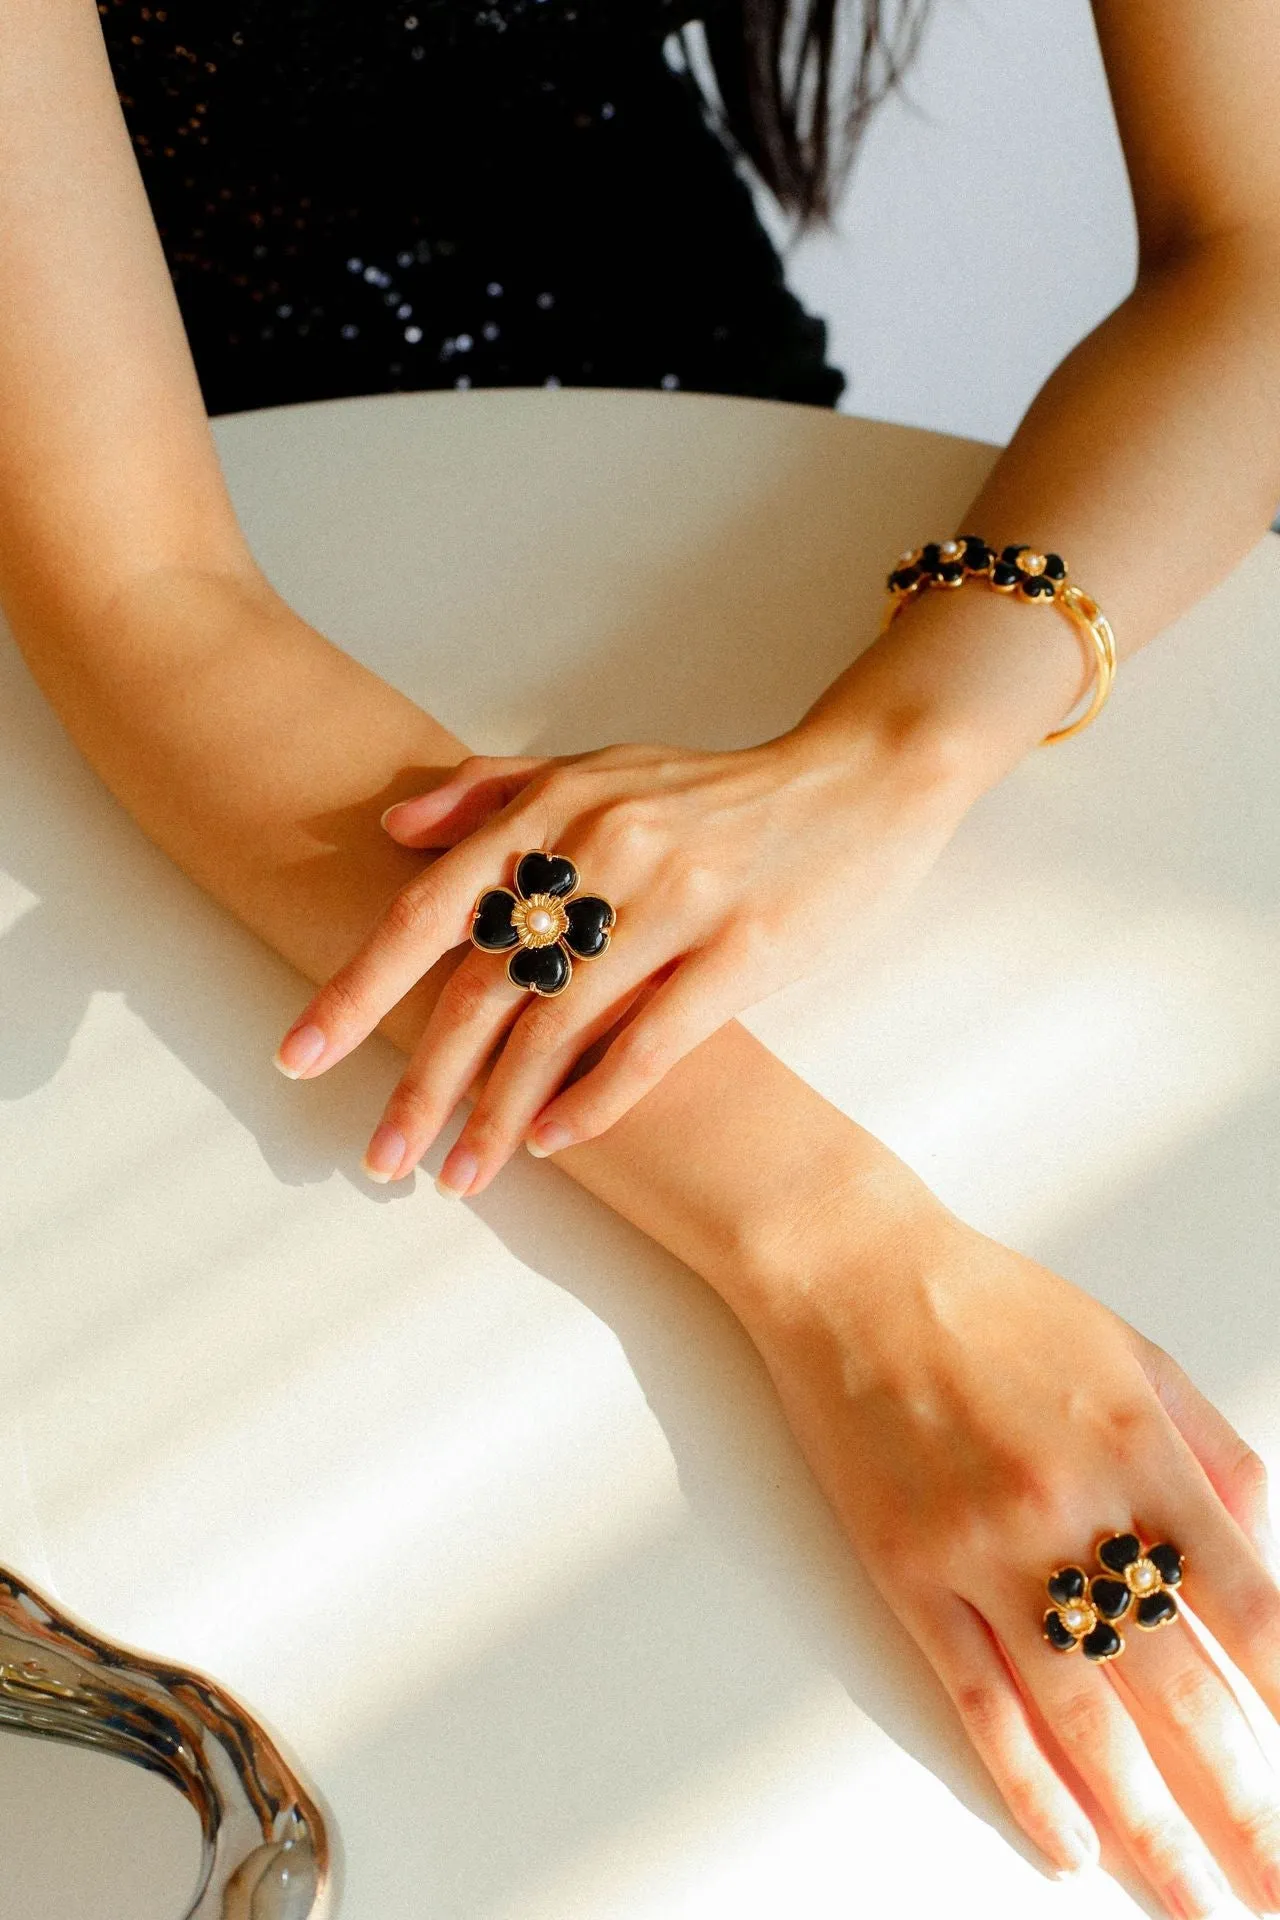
457 1173
1077 1851
299 1050
548 1139
1200 1891
384 1153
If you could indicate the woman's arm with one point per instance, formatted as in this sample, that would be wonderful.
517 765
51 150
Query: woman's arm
245 745
1151 458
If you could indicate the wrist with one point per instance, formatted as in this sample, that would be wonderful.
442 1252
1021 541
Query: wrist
840 1215
960 688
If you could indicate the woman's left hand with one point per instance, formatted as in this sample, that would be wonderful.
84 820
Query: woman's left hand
731 874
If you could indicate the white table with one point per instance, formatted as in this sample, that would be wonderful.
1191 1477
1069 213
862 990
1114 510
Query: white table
489 1509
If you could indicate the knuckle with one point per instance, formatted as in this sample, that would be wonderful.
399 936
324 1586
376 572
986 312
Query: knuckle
692 887
560 789
483 1136
643 1051
342 1002
1129 1431
1257 1613
411 1108
1080 1721
541 1029
627 833
748 944
413 915
466 997
1025 1799
903 1561
984 1709
1249 1473
1258 1826
1189 1701
1159 1843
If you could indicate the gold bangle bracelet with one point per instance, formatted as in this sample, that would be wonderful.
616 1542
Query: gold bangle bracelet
1026 574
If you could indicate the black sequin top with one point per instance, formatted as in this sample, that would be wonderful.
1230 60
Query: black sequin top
360 196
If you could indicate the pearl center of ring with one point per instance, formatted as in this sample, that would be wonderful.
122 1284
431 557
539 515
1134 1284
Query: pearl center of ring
1143 1576
1077 1619
540 921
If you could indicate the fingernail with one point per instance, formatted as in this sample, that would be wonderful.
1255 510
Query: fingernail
384 1153
1271 1888
457 1173
1076 1852
548 1139
299 1050
1200 1891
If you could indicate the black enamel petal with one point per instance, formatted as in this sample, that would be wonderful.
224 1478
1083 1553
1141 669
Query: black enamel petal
1119 1551
1055 566
1010 555
545 969
1110 1597
931 556
1154 1609
1037 587
904 578
1103 1643
546 873
491 926
977 554
590 919
1004 574
1169 1561
1067 1584
1056 1634
951 572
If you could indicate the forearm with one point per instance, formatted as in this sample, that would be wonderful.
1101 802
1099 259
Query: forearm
1150 459
107 467
262 767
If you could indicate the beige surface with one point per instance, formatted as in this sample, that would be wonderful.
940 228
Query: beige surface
489 1509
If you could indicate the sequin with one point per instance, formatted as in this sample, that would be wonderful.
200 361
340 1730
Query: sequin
310 162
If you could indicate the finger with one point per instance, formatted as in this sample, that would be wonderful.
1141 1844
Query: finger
476 1007
476 789
1089 1720
428 916
1234 1470
702 993
1199 1735
545 1043
1227 1584
967 1658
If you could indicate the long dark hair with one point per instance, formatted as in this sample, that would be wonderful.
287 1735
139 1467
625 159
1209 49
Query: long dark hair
774 63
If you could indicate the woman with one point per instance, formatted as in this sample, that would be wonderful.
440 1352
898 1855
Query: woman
920 1364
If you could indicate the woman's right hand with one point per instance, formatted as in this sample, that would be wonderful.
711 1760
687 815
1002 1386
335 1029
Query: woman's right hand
976 1422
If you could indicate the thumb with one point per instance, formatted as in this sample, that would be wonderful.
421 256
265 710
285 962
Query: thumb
1234 1470
473 792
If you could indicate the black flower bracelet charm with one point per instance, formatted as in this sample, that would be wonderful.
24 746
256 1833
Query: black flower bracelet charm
1085 1611
547 922
941 563
1021 570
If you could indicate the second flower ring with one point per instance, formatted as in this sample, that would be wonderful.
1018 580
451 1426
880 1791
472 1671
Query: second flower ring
1085 1611
545 923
